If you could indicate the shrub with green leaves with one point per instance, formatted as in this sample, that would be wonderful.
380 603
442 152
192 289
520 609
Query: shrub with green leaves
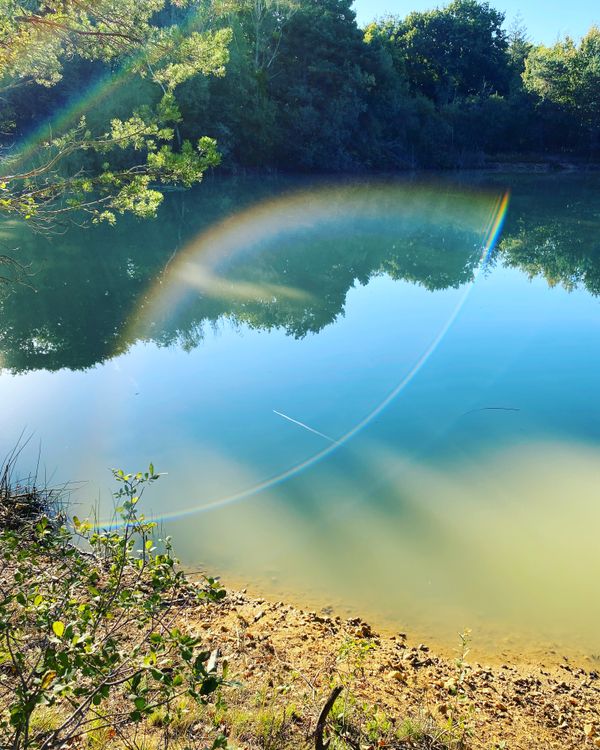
88 628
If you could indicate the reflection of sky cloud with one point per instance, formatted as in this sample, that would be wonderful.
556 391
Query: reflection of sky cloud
210 284
505 542
205 263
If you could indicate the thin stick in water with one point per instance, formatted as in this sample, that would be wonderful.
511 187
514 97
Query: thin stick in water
304 426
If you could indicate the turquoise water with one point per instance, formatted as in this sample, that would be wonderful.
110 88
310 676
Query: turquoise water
373 395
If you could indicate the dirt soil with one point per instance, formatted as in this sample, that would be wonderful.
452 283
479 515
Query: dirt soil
396 693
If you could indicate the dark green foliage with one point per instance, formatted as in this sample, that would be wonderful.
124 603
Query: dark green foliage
307 90
107 160
457 51
567 76
320 87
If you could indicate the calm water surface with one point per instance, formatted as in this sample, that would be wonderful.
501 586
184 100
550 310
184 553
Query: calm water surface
359 397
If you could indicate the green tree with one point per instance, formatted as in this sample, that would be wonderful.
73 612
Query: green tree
37 41
456 51
238 109
296 86
384 136
519 47
568 75
265 23
319 87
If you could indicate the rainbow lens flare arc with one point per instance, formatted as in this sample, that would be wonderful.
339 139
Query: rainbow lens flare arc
198 268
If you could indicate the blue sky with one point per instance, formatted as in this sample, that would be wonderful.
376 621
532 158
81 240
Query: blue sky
545 19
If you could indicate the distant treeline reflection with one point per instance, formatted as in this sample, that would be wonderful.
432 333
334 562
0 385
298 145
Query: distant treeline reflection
88 286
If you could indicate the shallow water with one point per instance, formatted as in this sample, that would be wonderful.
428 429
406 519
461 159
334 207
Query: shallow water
362 393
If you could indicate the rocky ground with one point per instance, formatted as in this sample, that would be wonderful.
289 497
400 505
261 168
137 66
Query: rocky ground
396 694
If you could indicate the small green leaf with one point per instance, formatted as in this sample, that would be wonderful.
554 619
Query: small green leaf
59 628
209 685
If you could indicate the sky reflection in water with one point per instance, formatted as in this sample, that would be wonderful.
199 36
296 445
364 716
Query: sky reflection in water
470 500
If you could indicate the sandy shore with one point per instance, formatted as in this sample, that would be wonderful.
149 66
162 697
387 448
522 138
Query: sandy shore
293 657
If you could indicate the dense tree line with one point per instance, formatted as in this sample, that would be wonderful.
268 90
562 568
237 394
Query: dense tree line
306 89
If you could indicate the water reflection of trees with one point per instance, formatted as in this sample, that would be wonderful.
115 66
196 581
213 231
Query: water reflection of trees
563 252
90 284
554 232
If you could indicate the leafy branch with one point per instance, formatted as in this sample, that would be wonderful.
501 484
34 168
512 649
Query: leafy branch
88 626
104 174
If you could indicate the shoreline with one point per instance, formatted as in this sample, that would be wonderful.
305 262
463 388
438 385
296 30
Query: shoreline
463 702
535 164
491 643
177 661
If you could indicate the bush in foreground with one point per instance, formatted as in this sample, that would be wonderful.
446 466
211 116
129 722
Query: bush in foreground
89 638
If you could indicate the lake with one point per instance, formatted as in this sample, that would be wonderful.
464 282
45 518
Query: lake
380 396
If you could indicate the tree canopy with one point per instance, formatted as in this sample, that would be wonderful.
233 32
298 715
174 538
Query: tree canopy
456 51
104 104
568 75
